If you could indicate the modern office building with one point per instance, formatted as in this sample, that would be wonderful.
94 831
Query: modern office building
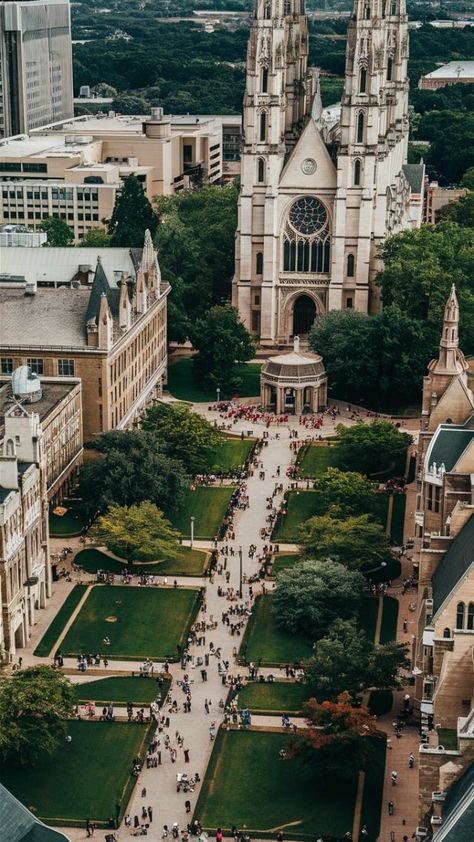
35 64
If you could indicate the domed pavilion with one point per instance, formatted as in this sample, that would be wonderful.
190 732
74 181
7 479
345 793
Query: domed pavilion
295 382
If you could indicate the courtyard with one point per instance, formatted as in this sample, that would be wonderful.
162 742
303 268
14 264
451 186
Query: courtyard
208 505
120 689
273 697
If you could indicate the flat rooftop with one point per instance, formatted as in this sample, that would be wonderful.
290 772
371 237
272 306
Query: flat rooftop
453 70
53 394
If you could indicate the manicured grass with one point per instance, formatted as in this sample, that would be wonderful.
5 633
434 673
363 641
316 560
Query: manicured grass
275 697
368 616
283 561
122 689
448 738
84 778
187 562
388 632
140 622
266 642
398 519
389 573
208 506
373 789
247 783
70 524
55 628
315 459
230 454
301 506
380 702
183 385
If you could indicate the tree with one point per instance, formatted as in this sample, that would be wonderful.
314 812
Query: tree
468 179
338 737
34 707
357 542
345 661
182 435
344 494
222 342
461 212
95 237
372 448
129 104
131 216
58 231
136 533
131 469
310 596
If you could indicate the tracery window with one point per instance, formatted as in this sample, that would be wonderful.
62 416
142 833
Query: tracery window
306 239
259 263
460 615
350 265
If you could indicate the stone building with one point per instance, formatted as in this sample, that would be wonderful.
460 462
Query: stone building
321 188
98 315
452 73
294 383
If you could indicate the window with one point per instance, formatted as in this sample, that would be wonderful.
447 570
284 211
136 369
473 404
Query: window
265 80
36 365
259 263
66 368
260 170
349 303
362 80
367 11
357 172
257 301
447 633
350 265
255 321
187 153
287 8
268 9
437 498
470 616
6 365
460 615
263 126
35 168
360 127
389 69
306 241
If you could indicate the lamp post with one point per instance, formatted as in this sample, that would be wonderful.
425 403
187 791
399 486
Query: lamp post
192 531
240 572
375 569
218 393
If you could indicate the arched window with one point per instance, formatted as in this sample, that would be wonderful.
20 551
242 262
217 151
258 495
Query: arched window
460 615
261 170
306 240
470 616
264 80
259 263
263 126
357 172
287 8
393 10
268 9
362 80
389 69
367 11
447 633
360 127
350 265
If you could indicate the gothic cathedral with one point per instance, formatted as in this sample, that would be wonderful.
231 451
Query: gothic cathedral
320 187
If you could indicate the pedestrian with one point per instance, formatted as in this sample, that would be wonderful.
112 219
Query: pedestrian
186 755
128 820
88 827
394 777
187 804
212 731
391 808
150 814
204 674
206 706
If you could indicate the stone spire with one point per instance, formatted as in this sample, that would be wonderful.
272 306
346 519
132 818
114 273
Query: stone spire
148 253
451 359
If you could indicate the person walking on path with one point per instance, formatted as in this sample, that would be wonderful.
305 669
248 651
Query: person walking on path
186 755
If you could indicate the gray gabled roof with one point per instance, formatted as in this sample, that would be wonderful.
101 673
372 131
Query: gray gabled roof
448 444
414 174
458 811
102 286
454 565
17 824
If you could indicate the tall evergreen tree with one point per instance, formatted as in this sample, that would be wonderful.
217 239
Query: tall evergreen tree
131 216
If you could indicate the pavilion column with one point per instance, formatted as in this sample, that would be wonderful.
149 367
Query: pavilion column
280 401
298 401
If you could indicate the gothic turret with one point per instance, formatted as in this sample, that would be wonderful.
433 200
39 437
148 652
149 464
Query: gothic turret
451 359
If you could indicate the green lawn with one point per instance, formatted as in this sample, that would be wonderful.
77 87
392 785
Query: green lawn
398 519
388 632
56 626
230 454
283 561
247 783
275 697
265 641
85 778
140 622
301 506
187 562
208 506
122 689
373 790
380 702
368 616
315 459
183 385
70 524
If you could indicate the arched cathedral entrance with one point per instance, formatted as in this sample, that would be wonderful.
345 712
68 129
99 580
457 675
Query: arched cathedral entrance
304 314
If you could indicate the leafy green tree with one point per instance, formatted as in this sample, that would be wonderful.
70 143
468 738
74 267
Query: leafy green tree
136 533
183 435
468 179
34 707
95 238
461 212
372 448
344 494
131 469
222 342
58 231
405 347
129 104
357 542
310 596
131 216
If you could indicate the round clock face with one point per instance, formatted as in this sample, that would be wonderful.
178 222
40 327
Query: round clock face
308 166
308 216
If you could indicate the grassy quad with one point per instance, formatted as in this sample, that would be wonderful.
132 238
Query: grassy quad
208 505
315 459
122 689
55 628
139 622
230 454
286 794
182 383
275 697
70 524
187 562
84 778
266 642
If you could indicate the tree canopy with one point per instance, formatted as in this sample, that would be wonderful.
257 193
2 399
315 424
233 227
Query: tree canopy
182 434
372 448
136 533
222 342
342 494
95 237
358 542
310 596
131 216
58 232
462 211
34 707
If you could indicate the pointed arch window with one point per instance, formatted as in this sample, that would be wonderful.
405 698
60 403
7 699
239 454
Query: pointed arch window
470 616
357 172
393 10
259 263
263 126
287 8
460 615
268 10
306 239
261 170
362 80
350 265
389 69
264 80
447 633
360 127
367 11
